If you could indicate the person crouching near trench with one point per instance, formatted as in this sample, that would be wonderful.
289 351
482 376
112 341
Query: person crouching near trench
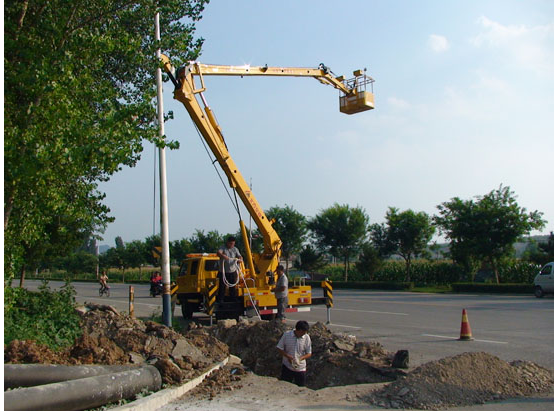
296 347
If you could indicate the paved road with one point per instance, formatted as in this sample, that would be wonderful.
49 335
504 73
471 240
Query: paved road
428 325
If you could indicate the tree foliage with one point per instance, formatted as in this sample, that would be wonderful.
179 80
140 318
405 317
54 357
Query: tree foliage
341 231
309 259
46 316
291 227
405 233
78 103
369 262
206 243
485 229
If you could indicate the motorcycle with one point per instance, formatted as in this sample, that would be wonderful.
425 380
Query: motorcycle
156 288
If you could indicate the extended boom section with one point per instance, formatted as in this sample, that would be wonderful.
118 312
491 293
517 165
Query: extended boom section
356 95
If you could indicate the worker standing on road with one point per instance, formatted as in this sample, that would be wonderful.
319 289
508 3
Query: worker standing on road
296 347
281 293
229 257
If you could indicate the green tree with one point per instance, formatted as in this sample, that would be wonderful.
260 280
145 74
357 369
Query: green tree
206 243
79 262
78 103
310 259
369 262
179 249
149 244
291 227
548 248
540 252
406 233
486 228
341 231
134 254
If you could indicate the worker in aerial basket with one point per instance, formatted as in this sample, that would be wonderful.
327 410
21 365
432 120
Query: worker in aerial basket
229 259
296 347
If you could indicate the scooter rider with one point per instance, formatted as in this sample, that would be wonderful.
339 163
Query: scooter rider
155 283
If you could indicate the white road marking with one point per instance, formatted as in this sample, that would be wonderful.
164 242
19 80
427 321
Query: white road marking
362 311
454 338
331 325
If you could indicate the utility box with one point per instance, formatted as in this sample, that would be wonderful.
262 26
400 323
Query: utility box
356 103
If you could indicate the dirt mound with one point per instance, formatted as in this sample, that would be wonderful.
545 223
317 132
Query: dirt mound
227 378
112 338
465 379
336 359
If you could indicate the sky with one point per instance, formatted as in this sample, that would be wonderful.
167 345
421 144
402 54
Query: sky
463 104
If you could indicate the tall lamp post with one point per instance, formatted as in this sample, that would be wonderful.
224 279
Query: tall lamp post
166 277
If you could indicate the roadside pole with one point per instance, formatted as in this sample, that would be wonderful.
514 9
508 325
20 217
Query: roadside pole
166 280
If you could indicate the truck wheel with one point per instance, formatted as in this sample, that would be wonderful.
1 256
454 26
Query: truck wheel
539 293
187 310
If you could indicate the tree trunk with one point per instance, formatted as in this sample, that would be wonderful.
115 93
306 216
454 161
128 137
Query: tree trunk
345 268
7 211
22 278
495 269
408 269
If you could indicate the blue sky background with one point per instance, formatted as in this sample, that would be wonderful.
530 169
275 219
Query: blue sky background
464 103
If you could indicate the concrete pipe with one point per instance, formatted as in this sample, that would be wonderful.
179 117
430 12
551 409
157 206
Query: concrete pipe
30 375
84 393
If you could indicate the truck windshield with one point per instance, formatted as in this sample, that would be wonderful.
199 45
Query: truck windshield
211 265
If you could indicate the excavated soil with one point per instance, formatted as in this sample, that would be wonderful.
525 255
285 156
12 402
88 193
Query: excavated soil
337 360
112 338
465 379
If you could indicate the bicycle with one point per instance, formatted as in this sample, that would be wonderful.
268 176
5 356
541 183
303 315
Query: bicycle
104 289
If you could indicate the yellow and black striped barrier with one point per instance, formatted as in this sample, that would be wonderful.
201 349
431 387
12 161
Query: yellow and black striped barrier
174 288
212 297
174 300
328 294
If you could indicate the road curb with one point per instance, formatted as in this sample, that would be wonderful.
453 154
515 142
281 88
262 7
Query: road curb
164 397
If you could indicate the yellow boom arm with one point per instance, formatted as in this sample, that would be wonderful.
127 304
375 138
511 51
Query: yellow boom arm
354 98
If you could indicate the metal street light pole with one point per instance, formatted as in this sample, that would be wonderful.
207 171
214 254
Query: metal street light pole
166 278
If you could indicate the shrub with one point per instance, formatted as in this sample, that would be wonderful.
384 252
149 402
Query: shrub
46 316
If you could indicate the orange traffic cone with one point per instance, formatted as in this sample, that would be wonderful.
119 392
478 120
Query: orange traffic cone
465 331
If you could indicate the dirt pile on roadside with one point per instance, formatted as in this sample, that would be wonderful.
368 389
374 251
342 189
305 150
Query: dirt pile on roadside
464 379
113 338
336 359
227 378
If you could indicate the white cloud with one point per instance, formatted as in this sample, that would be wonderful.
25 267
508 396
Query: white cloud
398 103
529 47
438 43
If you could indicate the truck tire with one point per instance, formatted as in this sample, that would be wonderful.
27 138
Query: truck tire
187 310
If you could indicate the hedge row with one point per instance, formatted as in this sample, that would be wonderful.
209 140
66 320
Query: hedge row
366 285
424 272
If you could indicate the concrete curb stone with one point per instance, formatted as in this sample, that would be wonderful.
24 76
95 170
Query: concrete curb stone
164 397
